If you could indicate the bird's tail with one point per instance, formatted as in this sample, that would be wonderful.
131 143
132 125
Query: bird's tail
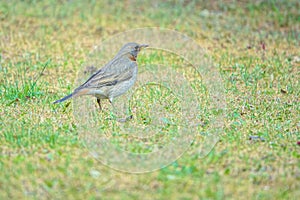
63 99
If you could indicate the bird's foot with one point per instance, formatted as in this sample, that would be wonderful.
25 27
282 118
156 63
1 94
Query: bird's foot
122 120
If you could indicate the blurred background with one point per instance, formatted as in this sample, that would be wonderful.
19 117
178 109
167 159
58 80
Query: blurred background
254 44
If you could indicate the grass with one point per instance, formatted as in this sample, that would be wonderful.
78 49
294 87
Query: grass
254 44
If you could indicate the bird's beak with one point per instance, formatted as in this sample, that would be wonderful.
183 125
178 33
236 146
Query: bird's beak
143 46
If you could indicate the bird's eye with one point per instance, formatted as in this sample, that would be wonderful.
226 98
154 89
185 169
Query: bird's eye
136 47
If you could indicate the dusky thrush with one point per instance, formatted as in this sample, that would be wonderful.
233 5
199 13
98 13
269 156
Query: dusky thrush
114 79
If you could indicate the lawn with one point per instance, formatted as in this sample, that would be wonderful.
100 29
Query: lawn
254 46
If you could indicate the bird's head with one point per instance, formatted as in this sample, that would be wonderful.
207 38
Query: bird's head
132 49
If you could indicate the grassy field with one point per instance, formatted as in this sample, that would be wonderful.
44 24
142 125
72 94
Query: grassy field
254 44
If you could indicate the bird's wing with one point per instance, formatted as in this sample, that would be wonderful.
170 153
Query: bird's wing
101 71
107 67
110 77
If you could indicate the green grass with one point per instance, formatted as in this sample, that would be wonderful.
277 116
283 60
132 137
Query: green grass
254 44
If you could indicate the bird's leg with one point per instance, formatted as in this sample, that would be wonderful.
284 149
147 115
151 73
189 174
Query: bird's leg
113 115
112 104
120 119
99 103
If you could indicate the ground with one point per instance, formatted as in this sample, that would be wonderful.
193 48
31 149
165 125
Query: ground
255 47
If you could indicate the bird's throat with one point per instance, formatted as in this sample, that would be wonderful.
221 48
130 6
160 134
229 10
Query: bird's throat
131 57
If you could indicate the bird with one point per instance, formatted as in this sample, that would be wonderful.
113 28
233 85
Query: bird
113 79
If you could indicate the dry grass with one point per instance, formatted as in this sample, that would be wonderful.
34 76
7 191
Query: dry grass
254 44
